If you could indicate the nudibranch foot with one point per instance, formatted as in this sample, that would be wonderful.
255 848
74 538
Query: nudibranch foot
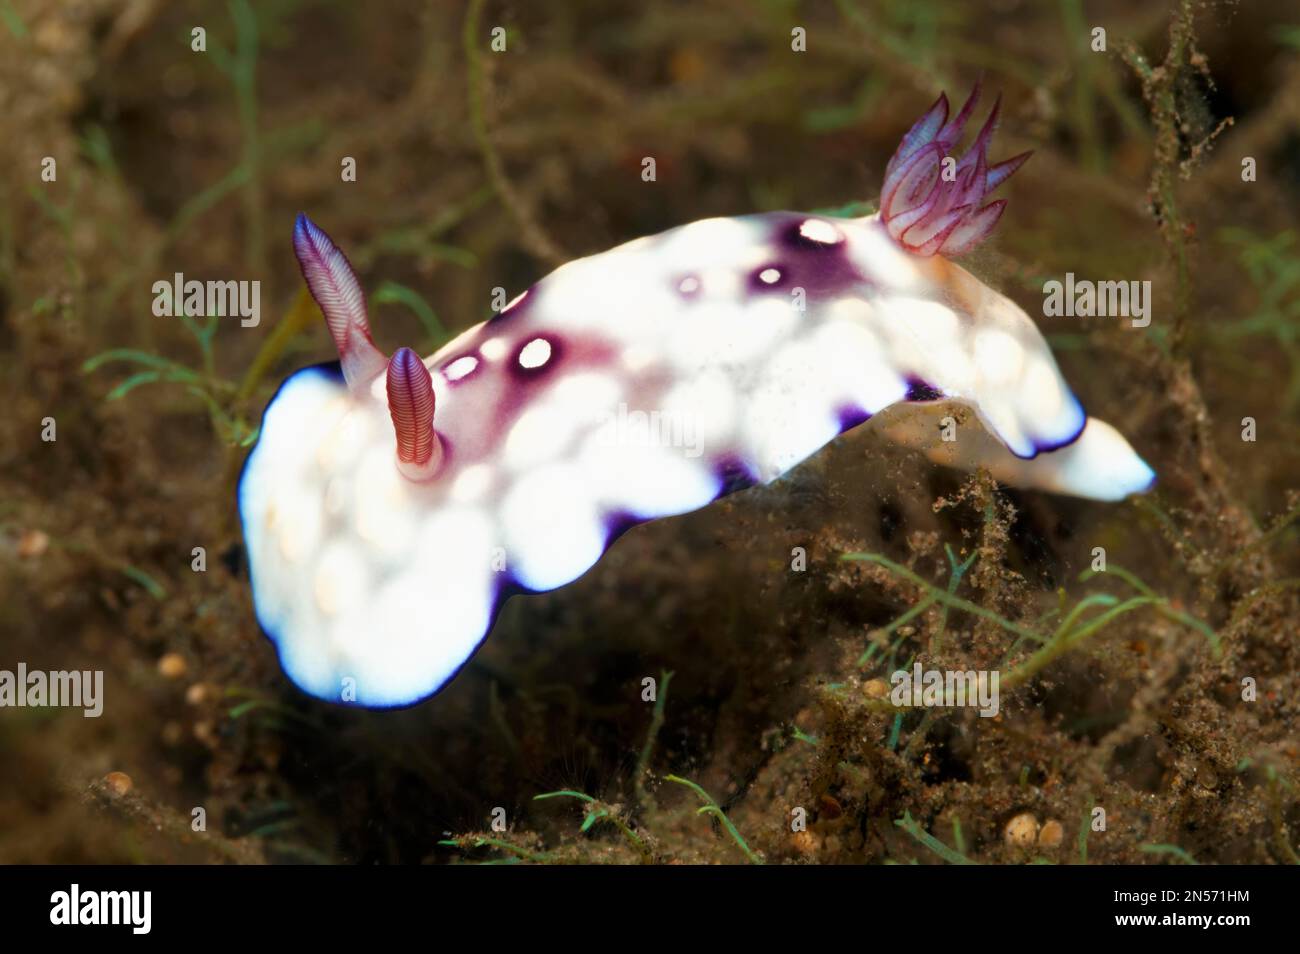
391 505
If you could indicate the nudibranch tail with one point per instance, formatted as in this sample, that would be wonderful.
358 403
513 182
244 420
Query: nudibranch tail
410 403
335 287
931 202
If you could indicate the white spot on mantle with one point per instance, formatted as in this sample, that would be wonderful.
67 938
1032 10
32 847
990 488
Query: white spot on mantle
819 230
461 367
535 354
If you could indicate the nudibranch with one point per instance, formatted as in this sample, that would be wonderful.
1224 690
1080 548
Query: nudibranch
391 505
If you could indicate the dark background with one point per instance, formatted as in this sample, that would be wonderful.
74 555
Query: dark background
486 170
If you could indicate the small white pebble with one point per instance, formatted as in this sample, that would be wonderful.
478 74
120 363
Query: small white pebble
875 688
118 783
33 543
1021 830
1051 835
171 666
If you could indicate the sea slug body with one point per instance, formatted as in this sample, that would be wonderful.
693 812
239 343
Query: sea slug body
391 504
